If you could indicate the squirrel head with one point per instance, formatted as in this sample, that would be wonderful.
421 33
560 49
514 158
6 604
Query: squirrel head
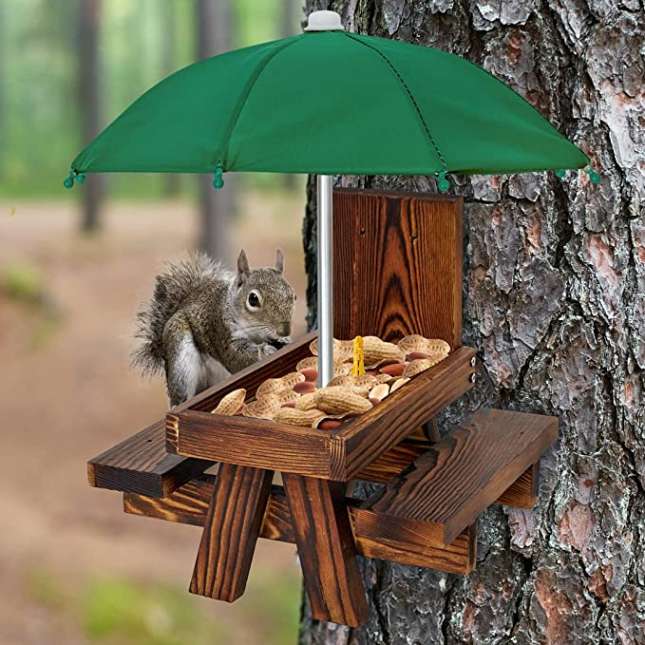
263 301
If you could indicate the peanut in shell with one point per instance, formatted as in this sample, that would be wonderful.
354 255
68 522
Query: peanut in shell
295 417
231 403
341 400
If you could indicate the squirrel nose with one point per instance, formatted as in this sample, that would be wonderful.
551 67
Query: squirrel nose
284 329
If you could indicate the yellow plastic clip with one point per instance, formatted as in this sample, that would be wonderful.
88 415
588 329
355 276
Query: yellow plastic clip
358 367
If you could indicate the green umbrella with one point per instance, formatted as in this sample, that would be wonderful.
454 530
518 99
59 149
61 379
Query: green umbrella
329 102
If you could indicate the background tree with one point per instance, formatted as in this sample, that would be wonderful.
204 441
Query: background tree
554 299
171 181
89 19
213 23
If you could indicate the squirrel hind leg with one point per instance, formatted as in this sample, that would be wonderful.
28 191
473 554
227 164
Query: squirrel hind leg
185 370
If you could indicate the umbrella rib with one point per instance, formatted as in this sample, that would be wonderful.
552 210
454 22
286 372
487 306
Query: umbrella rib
424 125
257 72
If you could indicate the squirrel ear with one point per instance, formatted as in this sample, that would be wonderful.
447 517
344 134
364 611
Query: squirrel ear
279 261
242 267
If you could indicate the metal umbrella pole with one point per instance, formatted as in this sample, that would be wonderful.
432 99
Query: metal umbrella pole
325 280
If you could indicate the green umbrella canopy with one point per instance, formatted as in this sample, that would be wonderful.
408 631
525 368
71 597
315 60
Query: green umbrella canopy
330 102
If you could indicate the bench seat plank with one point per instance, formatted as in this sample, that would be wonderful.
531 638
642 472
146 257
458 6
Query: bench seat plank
459 477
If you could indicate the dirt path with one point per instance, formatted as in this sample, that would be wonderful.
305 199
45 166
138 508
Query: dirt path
67 392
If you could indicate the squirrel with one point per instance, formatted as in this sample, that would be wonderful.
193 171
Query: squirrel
202 316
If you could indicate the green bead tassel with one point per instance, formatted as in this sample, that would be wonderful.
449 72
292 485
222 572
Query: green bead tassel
443 183
74 176
560 173
218 177
594 177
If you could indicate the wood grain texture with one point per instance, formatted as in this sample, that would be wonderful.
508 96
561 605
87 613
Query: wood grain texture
251 442
373 538
451 484
142 464
523 493
410 543
189 505
231 529
326 549
339 455
397 265
373 433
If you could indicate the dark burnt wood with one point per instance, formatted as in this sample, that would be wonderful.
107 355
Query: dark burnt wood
142 464
373 537
326 549
397 265
339 455
401 413
452 483
414 543
231 529
229 439
523 493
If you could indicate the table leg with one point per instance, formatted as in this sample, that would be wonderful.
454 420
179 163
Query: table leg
232 528
326 549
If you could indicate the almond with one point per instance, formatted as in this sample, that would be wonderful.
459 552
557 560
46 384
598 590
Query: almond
328 424
413 356
394 369
310 374
306 387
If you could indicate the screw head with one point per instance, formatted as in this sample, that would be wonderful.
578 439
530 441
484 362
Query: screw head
473 361
473 377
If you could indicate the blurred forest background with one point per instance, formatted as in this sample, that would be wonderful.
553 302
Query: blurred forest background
74 268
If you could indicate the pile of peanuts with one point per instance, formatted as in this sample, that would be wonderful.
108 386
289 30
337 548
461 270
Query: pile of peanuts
295 399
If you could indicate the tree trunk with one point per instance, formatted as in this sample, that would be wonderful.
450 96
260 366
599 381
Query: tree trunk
89 20
290 13
213 18
554 288
171 181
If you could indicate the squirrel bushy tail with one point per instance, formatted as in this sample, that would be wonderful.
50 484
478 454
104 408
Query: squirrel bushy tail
172 288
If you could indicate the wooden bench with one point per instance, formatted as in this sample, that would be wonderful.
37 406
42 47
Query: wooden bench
408 280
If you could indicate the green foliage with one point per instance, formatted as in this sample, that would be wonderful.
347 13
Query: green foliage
118 610
274 605
128 613
141 42
22 282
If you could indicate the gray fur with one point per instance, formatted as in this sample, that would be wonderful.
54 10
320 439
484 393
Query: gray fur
200 316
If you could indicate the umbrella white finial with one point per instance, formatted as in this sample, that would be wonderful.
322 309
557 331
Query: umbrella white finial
324 21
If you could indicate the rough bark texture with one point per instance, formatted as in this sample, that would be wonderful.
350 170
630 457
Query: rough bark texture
554 299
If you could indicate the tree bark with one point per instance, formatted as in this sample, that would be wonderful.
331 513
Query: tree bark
554 300
213 23
89 20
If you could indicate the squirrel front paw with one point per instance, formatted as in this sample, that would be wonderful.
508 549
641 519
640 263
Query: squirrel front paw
266 349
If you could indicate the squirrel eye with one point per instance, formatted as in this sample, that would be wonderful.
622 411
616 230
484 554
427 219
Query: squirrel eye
253 300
